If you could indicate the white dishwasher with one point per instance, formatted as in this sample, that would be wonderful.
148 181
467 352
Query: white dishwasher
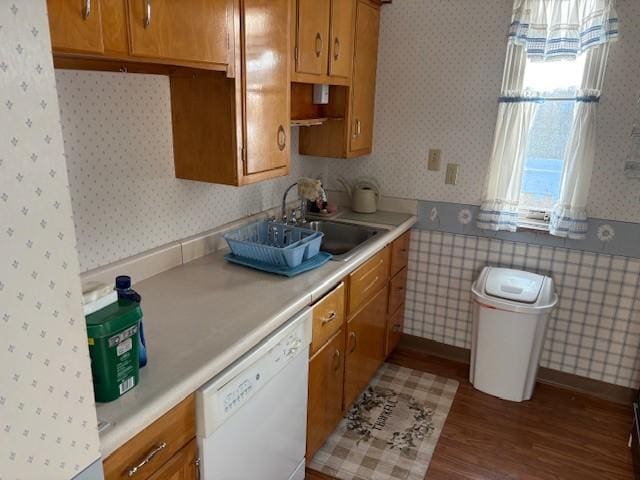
252 417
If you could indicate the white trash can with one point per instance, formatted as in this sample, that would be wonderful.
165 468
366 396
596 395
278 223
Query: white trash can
510 312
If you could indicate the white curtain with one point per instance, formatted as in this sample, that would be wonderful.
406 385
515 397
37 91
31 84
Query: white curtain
499 207
547 30
554 29
569 216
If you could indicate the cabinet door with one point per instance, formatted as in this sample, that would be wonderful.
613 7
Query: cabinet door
183 465
364 76
326 376
313 36
366 339
155 445
397 290
394 329
189 30
400 252
341 46
266 84
75 25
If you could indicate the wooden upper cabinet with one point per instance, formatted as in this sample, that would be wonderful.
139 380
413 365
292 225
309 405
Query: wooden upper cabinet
76 26
312 45
349 131
341 37
188 30
267 87
364 77
236 131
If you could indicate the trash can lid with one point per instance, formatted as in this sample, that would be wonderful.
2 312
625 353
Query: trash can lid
515 285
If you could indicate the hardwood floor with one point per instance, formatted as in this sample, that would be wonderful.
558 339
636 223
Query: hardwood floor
559 434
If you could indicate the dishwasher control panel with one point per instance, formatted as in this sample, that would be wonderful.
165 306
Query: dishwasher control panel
227 393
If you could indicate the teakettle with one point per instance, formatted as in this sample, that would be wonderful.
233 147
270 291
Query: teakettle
364 193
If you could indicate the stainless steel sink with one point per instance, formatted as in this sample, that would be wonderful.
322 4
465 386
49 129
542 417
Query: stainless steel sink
343 240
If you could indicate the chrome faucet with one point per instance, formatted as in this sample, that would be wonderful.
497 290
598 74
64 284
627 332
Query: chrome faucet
283 213
293 218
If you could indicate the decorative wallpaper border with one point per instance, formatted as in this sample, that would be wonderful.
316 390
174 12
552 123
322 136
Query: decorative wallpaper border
604 236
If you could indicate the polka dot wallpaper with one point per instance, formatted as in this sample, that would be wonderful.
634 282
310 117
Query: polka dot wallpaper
126 199
48 426
438 83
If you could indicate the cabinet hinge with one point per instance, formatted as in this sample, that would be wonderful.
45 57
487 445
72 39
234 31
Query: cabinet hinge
295 54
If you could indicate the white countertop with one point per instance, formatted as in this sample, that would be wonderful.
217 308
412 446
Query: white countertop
202 316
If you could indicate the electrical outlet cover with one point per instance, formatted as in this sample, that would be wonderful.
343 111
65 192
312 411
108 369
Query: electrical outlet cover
435 156
632 169
451 178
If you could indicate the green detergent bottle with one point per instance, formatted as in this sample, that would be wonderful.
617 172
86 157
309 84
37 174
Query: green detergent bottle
113 346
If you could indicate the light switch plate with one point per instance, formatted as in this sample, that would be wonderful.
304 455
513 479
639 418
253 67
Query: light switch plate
632 169
451 178
435 156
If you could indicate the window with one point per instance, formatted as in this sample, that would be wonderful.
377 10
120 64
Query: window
557 83
544 146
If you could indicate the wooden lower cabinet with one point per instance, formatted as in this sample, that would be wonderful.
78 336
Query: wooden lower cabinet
184 465
365 343
161 444
394 330
326 378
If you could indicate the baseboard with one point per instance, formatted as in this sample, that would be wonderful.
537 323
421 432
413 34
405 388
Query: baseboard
596 388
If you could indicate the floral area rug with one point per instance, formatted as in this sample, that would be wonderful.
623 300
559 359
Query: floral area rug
391 431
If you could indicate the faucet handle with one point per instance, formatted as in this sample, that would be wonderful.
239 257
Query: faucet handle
293 217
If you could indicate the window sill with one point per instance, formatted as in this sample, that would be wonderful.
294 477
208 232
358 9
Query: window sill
533 225
531 229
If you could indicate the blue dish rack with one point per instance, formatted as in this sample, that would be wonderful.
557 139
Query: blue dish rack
274 243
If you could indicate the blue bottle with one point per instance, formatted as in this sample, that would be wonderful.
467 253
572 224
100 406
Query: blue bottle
123 287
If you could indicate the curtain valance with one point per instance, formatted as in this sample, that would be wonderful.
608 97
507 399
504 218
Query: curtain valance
561 29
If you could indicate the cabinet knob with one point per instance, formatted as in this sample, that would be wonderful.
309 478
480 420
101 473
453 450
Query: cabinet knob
336 361
357 129
282 138
352 336
336 49
147 13
319 44
329 318
86 9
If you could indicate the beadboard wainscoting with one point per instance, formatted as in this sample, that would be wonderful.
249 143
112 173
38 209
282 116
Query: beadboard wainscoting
595 330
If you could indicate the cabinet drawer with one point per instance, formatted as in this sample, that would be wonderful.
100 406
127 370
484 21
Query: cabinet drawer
165 437
368 280
328 317
397 290
394 330
400 252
